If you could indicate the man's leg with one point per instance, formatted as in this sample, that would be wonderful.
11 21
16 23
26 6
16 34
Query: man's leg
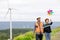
40 36
37 37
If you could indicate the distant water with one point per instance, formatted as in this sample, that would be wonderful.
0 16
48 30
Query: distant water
5 25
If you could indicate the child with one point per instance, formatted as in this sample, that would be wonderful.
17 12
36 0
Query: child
47 28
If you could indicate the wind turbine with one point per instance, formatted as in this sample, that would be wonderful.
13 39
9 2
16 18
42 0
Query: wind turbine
10 16
10 12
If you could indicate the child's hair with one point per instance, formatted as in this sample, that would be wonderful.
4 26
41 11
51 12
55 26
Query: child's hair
46 19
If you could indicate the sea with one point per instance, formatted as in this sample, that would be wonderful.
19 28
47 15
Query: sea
23 24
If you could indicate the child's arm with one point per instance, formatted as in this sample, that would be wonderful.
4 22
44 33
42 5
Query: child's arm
46 25
50 22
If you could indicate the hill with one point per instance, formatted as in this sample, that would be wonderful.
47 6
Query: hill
30 35
6 33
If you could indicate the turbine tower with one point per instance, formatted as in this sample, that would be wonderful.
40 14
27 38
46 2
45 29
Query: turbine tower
10 21
10 17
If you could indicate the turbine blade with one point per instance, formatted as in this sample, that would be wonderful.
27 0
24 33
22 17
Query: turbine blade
6 13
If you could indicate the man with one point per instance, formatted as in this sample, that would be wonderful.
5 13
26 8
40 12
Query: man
38 29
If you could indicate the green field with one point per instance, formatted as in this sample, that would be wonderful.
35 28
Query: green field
30 35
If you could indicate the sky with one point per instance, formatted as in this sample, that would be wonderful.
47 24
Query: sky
29 10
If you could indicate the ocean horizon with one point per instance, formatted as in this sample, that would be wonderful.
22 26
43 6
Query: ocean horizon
22 24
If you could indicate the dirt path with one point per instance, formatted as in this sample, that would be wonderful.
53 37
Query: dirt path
56 37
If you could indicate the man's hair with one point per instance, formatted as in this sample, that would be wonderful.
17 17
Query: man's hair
38 18
46 19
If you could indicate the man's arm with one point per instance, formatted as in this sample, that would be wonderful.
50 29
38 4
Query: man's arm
34 28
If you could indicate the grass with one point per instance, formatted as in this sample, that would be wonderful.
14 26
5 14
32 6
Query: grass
54 31
30 35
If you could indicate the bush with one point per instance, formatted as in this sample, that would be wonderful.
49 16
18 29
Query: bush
26 36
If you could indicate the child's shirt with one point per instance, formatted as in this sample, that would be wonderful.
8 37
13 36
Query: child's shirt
47 27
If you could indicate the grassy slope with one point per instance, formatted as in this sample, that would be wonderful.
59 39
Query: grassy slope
56 36
5 33
29 35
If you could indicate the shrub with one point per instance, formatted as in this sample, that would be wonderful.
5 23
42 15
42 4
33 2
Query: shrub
26 36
